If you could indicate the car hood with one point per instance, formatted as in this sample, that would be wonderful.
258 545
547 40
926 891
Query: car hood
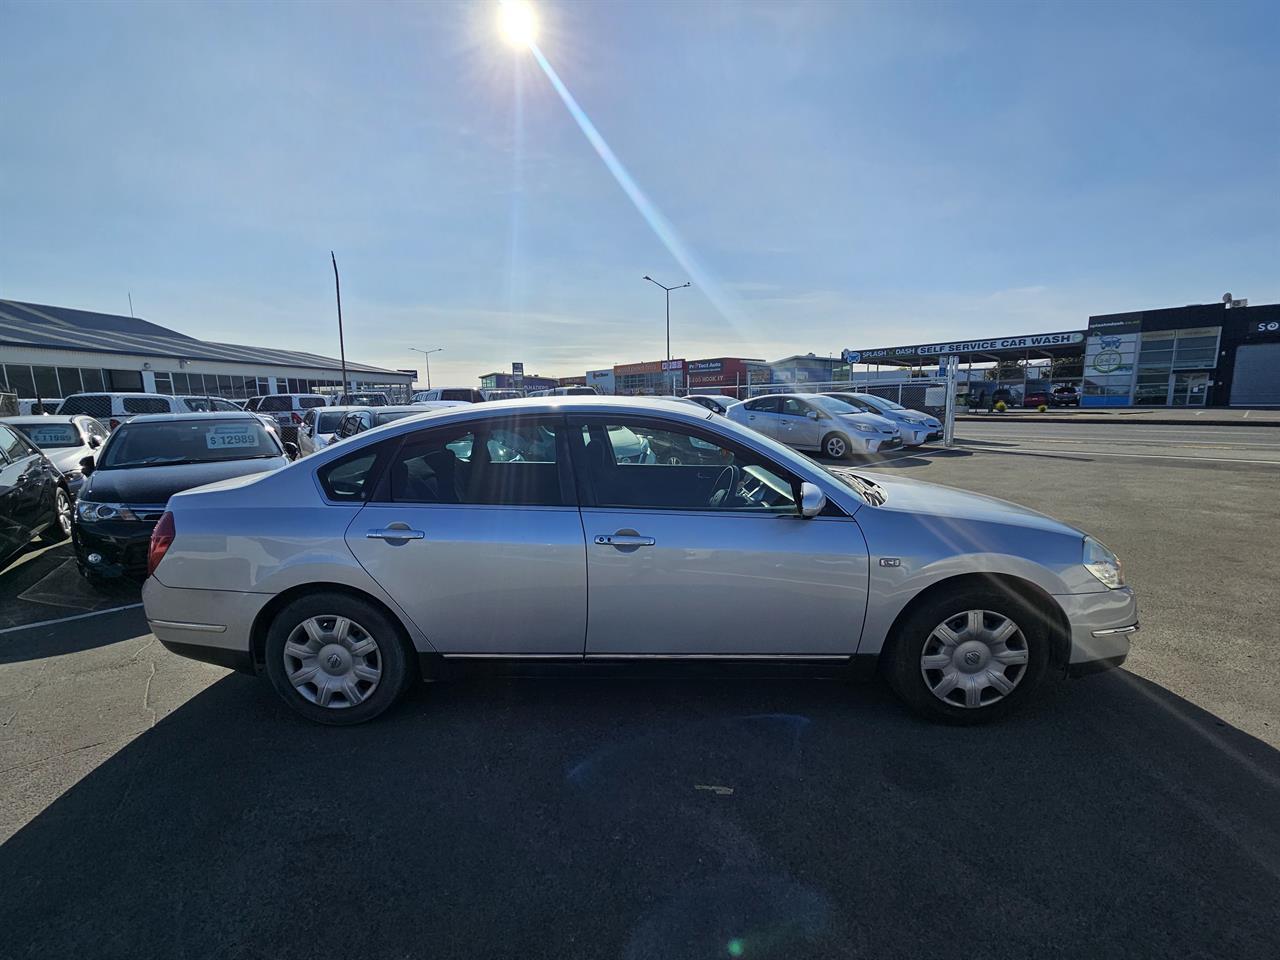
921 497
873 420
67 459
157 484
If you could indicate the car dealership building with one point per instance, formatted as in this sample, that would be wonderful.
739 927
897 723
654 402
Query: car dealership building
49 352
1219 354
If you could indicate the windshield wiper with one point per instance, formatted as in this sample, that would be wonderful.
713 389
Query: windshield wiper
869 490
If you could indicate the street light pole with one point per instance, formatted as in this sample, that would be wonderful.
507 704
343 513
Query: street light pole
342 348
426 354
668 290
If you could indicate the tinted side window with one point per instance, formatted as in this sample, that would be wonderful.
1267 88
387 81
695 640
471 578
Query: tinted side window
93 404
305 403
220 404
351 479
793 407
253 403
275 403
197 404
661 466
145 405
11 444
498 462
471 395
763 405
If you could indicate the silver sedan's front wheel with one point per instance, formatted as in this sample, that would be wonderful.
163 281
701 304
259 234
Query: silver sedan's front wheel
332 661
835 446
970 651
974 658
337 658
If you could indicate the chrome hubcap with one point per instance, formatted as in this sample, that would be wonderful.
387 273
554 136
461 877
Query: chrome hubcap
63 506
974 658
332 661
835 447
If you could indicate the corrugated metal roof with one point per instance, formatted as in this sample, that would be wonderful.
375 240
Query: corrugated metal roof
61 328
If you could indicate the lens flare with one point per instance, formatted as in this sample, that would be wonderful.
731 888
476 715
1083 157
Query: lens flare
518 22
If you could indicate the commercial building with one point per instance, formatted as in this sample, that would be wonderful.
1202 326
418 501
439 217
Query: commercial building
49 352
650 377
572 381
1218 354
516 381
603 381
808 368
728 375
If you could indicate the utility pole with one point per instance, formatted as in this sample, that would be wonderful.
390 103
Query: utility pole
668 292
342 348
426 355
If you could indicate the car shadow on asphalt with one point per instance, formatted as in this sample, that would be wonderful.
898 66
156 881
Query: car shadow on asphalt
59 639
660 818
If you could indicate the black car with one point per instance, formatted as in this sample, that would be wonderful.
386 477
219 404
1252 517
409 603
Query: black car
34 501
147 460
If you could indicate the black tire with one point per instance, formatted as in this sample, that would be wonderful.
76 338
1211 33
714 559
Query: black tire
901 660
848 447
393 657
55 532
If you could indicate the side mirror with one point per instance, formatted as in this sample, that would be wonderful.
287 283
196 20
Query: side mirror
812 414
86 465
812 500
291 450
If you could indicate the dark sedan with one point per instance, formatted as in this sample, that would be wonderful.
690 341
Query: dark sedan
147 460
33 496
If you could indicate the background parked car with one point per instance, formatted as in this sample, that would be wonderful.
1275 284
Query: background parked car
65 441
465 394
501 394
815 422
914 426
359 420
1064 396
319 424
206 404
113 409
142 464
287 409
716 402
573 391
34 501
28 407
366 399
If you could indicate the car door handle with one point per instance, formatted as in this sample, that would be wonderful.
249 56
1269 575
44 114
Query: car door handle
624 540
395 533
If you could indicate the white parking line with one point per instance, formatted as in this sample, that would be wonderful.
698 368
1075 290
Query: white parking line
78 616
1132 456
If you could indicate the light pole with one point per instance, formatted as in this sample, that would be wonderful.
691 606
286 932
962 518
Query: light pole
426 354
668 293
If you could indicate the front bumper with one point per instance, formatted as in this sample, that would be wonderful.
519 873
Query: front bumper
1102 627
120 546
914 436
214 626
876 443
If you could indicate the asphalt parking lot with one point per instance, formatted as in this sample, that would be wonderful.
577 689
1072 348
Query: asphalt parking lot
155 807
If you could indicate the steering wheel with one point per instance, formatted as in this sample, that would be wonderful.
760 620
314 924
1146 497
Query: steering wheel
726 483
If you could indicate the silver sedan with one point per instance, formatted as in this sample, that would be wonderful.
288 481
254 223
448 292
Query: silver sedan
518 530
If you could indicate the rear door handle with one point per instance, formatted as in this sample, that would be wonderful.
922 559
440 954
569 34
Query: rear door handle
395 533
624 540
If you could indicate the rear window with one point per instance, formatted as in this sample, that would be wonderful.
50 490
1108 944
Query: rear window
145 405
94 404
204 440
275 403
306 403
470 395
45 435
328 422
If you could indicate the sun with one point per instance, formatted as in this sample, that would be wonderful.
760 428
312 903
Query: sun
518 22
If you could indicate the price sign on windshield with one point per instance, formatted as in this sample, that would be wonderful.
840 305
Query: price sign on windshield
231 435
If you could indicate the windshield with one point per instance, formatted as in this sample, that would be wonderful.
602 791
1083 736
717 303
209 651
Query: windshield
205 440
50 435
881 403
835 405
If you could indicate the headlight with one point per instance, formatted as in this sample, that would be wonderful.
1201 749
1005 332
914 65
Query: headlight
1102 563
865 428
915 420
89 511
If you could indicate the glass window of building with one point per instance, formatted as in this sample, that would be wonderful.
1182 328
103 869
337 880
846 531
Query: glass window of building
69 380
92 379
20 381
46 382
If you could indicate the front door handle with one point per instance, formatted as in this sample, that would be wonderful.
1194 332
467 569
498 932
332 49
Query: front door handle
624 540
395 533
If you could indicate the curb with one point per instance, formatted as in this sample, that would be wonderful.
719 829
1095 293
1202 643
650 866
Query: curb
1130 419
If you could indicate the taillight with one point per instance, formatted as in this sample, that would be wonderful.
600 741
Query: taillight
161 537
296 418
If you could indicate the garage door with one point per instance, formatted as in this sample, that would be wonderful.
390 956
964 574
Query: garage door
1256 381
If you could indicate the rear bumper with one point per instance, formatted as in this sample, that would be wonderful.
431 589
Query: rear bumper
215 626
1102 627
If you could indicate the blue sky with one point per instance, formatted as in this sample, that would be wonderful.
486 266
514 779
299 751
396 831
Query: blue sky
846 175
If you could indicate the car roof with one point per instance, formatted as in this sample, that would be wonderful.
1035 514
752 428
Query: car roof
36 418
197 417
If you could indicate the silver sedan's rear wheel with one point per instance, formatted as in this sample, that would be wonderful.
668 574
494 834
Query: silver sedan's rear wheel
332 661
337 658
974 658
969 652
